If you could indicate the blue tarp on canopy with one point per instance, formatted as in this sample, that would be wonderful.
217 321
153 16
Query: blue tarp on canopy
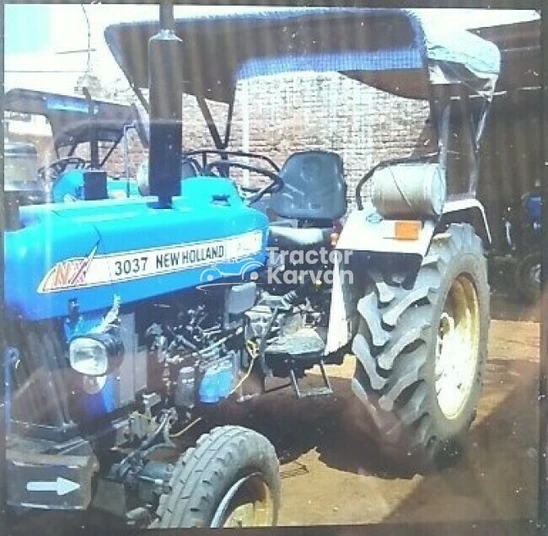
396 59
432 45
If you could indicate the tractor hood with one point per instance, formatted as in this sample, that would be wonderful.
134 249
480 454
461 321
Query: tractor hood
129 248
390 49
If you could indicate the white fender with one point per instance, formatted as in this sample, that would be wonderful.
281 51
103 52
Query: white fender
366 231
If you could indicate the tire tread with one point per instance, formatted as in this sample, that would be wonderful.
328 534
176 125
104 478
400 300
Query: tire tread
392 346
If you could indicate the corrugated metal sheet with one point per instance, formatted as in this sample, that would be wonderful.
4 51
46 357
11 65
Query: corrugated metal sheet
511 163
511 155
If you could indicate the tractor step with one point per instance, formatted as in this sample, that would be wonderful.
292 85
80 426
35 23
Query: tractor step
325 390
298 351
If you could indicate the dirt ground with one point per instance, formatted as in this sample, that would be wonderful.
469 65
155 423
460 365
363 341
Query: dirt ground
337 479
331 474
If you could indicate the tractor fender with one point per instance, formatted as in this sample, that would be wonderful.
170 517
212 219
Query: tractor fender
467 210
365 231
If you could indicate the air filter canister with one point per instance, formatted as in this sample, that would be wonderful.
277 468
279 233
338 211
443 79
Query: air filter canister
410 190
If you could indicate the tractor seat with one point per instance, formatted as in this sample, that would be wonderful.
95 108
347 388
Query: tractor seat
291 238
313 187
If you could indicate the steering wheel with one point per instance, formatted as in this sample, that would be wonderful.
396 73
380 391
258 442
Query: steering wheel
251 195
56 168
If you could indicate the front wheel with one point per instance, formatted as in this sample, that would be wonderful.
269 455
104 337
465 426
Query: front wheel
421 350
527 277
230 479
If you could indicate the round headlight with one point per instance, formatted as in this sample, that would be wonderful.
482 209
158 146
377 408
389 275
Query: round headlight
88 356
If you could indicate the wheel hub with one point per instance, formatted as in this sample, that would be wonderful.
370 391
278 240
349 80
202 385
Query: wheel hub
457 347
534 274
248 503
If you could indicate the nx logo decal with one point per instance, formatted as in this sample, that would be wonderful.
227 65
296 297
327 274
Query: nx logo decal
67 274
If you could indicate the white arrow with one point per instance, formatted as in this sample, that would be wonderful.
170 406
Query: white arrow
61 486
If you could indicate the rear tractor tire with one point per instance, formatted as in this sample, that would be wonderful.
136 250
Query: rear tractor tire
421 351
230 479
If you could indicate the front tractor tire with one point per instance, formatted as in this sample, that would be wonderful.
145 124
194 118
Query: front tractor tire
229 479
527 278
421 351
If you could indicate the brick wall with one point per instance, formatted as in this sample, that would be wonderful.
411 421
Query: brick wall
335 113
328 112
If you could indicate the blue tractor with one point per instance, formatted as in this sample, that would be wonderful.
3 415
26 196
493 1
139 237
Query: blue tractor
523 234
77 123
127 319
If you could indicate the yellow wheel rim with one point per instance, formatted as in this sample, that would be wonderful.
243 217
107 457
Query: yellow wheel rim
457 347
248 503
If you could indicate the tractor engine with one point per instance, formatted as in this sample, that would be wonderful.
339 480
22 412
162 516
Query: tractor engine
195 345
181 352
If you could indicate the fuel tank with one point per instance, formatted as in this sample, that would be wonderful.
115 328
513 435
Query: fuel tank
92 250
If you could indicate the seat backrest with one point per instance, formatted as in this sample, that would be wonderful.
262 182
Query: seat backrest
187 169
314 187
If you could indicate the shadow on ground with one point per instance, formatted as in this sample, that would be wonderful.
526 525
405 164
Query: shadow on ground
497 475
504 307
333 426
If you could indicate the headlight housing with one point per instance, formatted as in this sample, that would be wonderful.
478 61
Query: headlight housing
95 354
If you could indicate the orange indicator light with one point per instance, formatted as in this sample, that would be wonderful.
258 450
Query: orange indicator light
407 230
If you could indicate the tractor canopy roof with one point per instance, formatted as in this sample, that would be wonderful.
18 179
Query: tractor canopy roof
69 115
390 49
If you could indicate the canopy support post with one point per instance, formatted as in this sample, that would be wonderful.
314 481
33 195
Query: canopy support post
211 125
